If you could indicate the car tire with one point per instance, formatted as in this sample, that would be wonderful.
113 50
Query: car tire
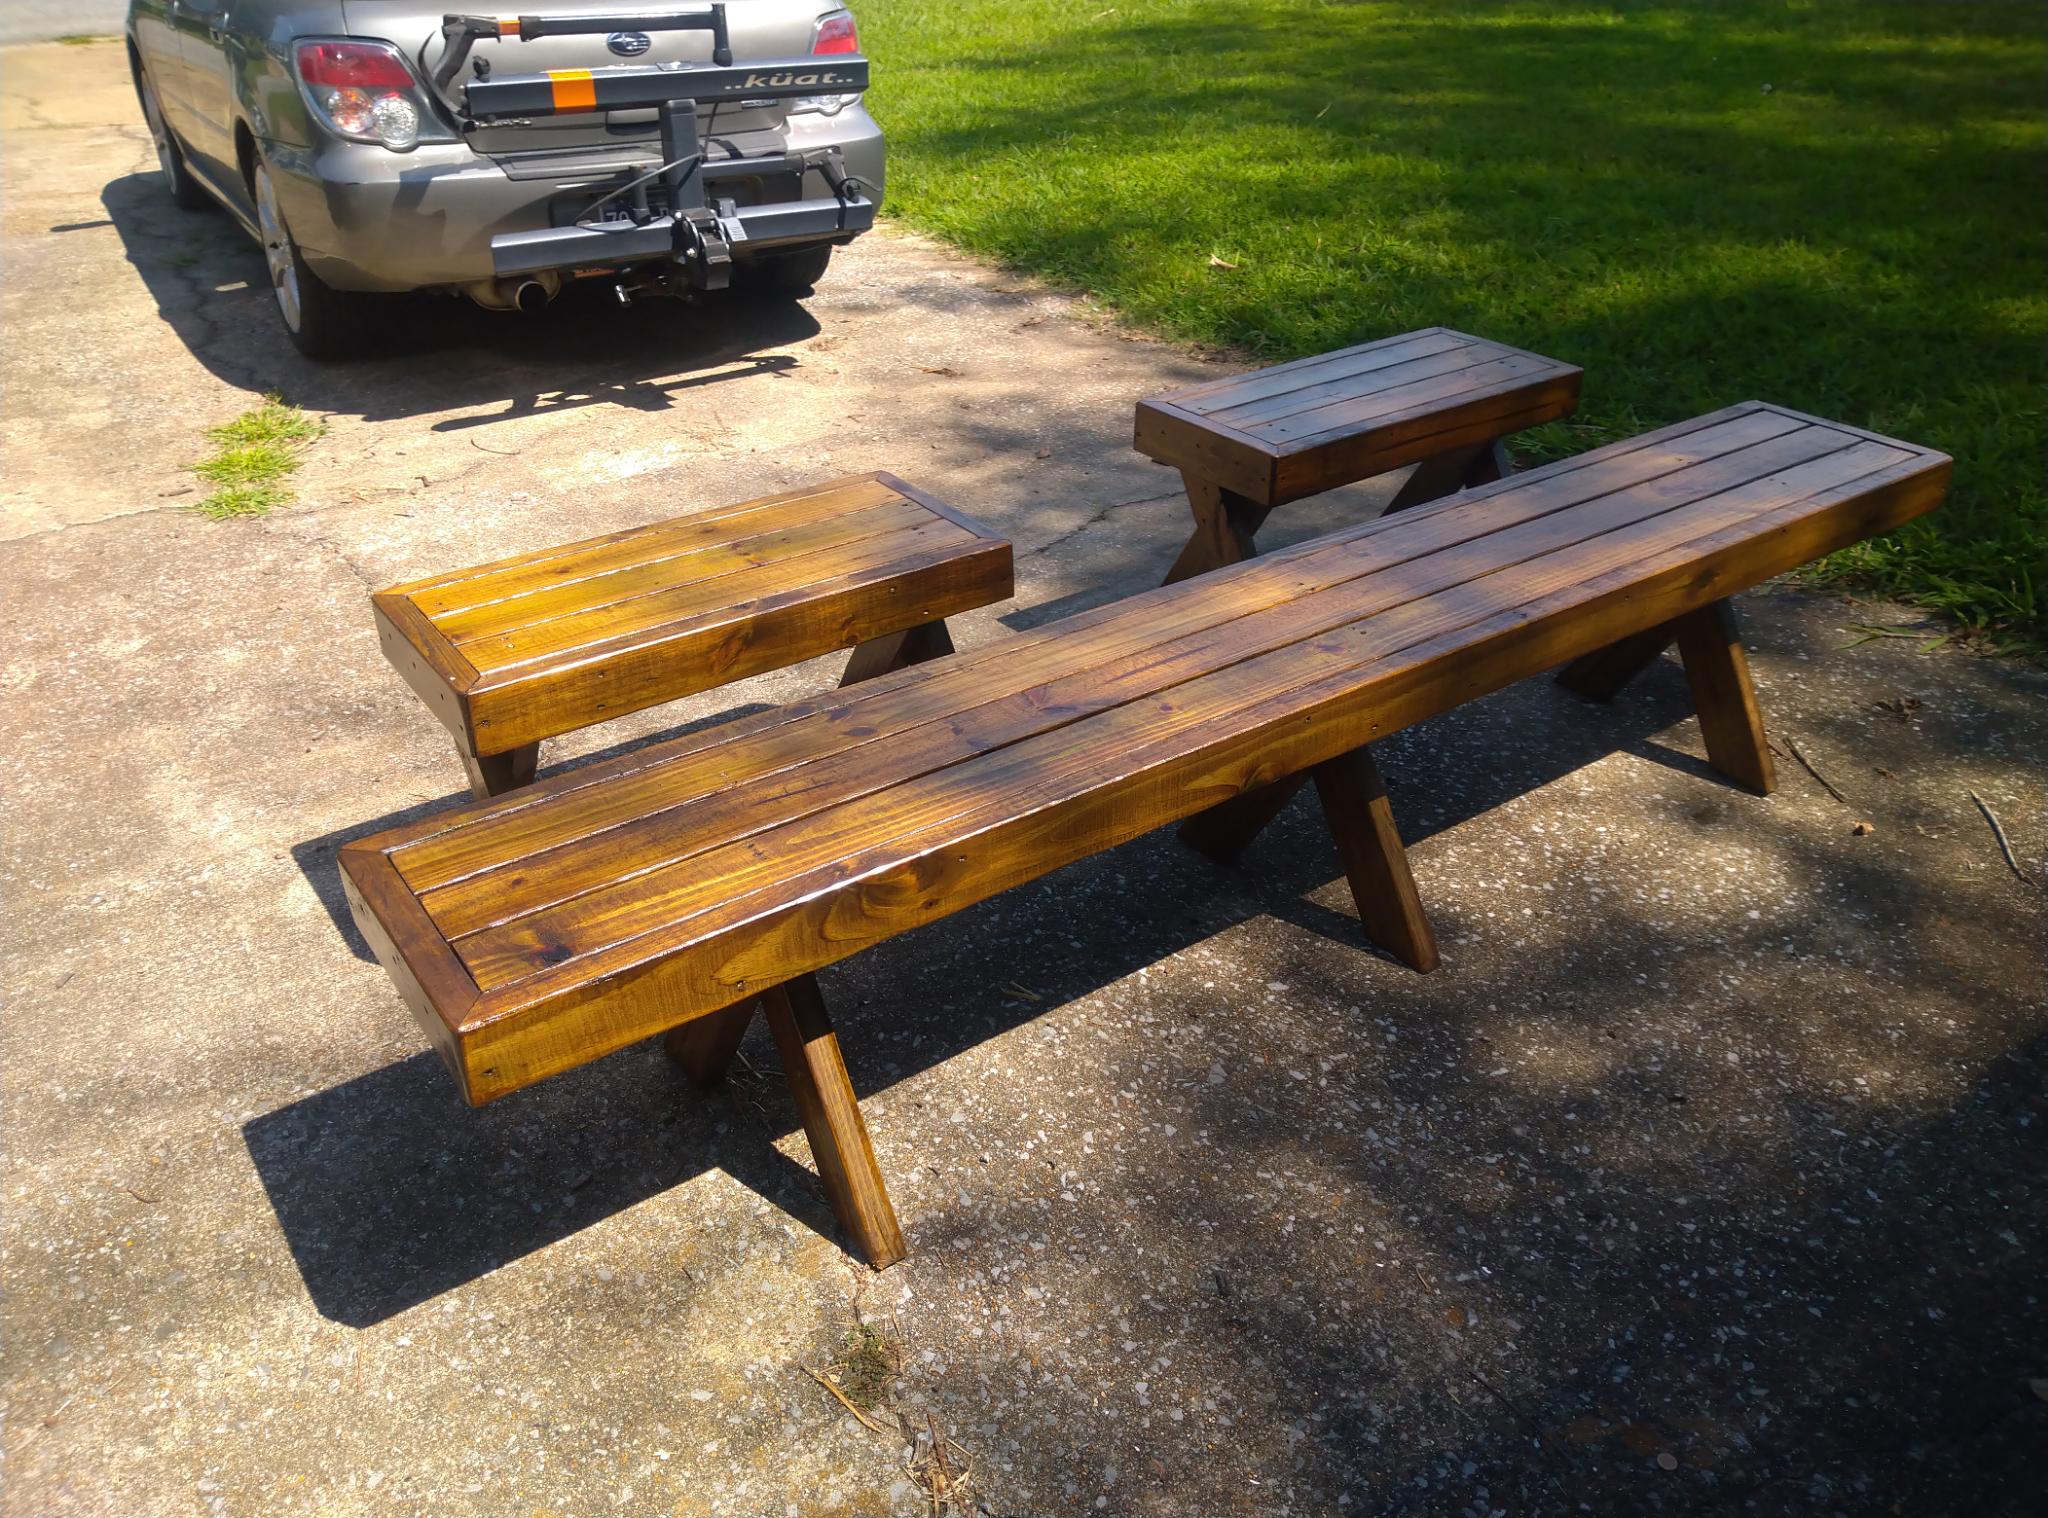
321 321
170 155
792 273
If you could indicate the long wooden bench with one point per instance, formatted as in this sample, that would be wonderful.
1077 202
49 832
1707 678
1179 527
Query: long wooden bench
667 889
518 650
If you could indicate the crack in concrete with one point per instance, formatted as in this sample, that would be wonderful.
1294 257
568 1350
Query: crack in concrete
362 576
208 343
1095 521
45 533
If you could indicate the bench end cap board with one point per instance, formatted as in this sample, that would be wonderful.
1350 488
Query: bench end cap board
424 968
495 1045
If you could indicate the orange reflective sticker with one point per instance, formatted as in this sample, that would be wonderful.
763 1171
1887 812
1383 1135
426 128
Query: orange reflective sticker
575 90
508 26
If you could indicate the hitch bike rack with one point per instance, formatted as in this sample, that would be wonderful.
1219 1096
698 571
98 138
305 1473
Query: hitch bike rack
693 226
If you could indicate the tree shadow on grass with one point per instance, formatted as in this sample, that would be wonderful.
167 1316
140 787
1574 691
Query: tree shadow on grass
1699 204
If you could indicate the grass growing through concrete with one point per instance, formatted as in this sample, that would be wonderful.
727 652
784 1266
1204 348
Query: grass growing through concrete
254 456
1836 207
861 1376
865 1366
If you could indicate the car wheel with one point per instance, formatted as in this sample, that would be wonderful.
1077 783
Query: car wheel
170 158
323 322
792 273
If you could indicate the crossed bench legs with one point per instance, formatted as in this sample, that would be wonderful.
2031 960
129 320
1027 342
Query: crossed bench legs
1716 667
495 774
1361 820
914 645
809 1049
1354 797
816 1072
1456 469
1225 524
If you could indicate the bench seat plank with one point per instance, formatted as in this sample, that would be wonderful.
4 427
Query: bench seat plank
1392 385
439 596
757 562
617 897
800 562
1340 367
609 904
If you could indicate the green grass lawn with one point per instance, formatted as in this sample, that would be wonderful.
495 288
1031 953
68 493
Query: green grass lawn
1837 206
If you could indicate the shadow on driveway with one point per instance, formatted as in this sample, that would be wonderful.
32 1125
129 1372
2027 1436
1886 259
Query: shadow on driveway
433 354
368 1178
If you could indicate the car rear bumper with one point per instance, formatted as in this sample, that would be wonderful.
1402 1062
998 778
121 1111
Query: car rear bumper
367 219
784 224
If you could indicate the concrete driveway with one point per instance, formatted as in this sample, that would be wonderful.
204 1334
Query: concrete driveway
1707 1176
44 20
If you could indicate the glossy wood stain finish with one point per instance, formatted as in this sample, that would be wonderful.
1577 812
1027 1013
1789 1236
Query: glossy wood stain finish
509 653
535 932
1298 429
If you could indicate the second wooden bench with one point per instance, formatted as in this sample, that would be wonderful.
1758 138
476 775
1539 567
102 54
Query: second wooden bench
1441 400
518 650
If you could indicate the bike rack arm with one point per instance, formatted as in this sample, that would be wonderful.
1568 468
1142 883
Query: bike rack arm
460 33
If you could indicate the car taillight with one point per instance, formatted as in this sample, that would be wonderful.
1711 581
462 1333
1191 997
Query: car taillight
836 34
353 65
362 91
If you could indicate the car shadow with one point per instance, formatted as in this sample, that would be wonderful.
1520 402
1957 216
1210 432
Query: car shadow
428 354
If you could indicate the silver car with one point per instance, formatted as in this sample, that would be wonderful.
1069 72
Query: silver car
382 146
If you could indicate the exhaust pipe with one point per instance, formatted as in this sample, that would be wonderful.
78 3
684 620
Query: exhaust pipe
529 295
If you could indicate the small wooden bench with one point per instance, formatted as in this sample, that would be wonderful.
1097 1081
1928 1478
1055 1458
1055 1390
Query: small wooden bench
669 888
527 648
1439 399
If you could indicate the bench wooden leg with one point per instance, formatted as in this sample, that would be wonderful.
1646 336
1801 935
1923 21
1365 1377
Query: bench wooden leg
900 650
1451 471
1724 696
831 1115
705 1046
1227 829
495 774
1225 525
1600 675
1355 802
